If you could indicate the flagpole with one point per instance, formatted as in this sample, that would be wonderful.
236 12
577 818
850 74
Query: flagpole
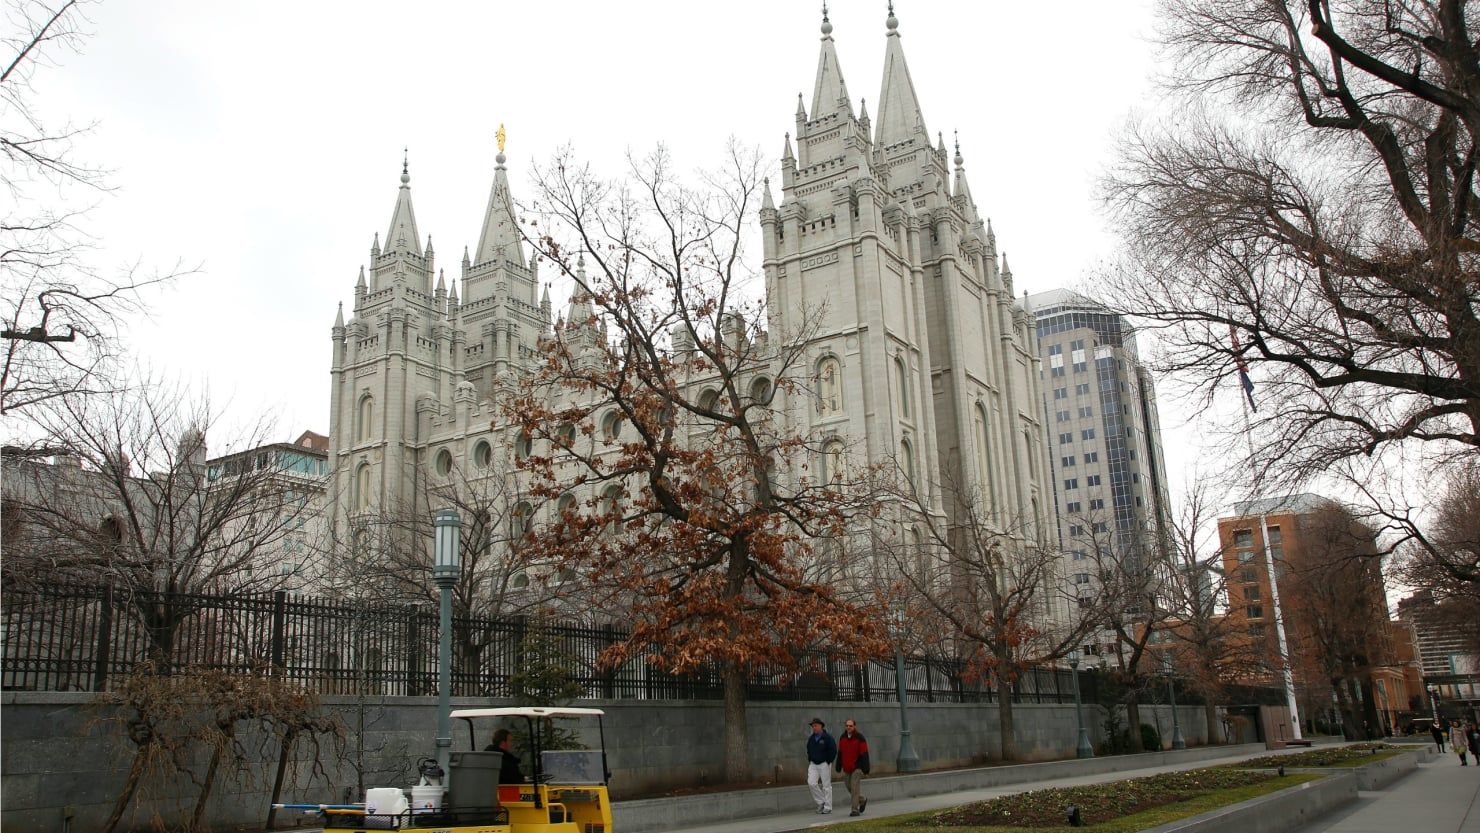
1287 677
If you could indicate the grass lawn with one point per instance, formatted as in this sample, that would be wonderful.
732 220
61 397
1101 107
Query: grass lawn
1356 755
1115 807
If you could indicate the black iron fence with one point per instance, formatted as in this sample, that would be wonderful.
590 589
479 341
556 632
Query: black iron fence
84 638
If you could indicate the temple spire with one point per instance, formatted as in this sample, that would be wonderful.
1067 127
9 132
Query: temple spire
899 115
500 238
402 236
830 92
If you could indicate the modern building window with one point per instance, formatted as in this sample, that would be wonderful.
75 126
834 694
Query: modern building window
1076 529
1249 574
1082 389
1100 527
1060 393
1092 480
1065 439
1275 539
1086 412
1254 611
1072 507
1066 462
1061 416
1243 538
1252 592
1097 503
1071 484
1087 434
829 386
1081 578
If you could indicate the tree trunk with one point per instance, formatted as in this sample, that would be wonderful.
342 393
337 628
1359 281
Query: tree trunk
737 748
1344 706
126 795
285 747
209 782
1133 715
1210 715
1369 708
1008 742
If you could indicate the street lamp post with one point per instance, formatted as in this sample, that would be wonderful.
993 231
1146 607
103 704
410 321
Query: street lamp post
907 761
1083 750
1177 741
446 564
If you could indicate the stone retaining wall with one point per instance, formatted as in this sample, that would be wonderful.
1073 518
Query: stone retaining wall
59 757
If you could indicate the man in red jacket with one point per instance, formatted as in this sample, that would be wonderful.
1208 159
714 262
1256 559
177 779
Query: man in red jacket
853 763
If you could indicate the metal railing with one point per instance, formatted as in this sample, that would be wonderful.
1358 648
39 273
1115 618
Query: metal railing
85 638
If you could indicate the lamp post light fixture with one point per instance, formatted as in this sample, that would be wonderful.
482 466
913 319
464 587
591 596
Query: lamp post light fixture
446 564
907 761
1083 749
1166 666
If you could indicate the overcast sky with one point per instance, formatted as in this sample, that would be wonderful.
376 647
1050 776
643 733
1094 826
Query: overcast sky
262 141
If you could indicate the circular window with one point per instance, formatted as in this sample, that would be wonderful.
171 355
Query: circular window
565 436
611 426
521 447
444 462
761 391
483 454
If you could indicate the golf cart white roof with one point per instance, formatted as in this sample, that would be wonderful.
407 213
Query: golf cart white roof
527 711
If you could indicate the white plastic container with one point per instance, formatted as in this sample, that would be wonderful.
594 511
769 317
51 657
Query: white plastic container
383 802
426 799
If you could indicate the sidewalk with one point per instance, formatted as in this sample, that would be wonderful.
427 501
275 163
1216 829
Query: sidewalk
1441 797
787 822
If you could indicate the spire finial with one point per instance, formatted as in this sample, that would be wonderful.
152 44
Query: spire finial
499 135
826 24
893 22
405 166
957 135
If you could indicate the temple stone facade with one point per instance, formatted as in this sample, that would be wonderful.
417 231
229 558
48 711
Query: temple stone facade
921 357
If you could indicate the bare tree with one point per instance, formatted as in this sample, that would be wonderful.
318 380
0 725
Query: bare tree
58 314
683 490
1209 648
388 559
1340 627
995 584
1330 224
1128 572
132 503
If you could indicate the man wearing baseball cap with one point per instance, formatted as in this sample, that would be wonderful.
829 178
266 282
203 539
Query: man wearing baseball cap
822 750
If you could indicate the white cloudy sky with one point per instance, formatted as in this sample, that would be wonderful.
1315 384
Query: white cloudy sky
262 141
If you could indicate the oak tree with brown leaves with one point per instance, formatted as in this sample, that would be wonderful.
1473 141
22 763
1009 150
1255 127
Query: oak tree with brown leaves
659 426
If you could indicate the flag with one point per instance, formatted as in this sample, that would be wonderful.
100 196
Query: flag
1243 370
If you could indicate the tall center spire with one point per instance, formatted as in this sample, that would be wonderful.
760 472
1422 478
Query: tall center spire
830 93
899 115
500 239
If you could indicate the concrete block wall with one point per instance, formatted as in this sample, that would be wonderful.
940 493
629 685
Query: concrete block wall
57 754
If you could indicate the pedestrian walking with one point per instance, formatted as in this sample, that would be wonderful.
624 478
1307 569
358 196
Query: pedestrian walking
1437 730
822 750
1472 734
1459 743
853 763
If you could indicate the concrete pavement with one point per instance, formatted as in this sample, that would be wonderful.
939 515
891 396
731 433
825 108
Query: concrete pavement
1441 797
787 822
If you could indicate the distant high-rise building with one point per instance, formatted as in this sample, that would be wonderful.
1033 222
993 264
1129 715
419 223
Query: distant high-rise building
1104 434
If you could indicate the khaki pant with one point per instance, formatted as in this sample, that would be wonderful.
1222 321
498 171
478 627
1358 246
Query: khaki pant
854 782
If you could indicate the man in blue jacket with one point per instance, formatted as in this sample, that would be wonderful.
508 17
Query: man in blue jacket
822 750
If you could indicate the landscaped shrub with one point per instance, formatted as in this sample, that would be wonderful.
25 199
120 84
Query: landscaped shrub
1150 738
